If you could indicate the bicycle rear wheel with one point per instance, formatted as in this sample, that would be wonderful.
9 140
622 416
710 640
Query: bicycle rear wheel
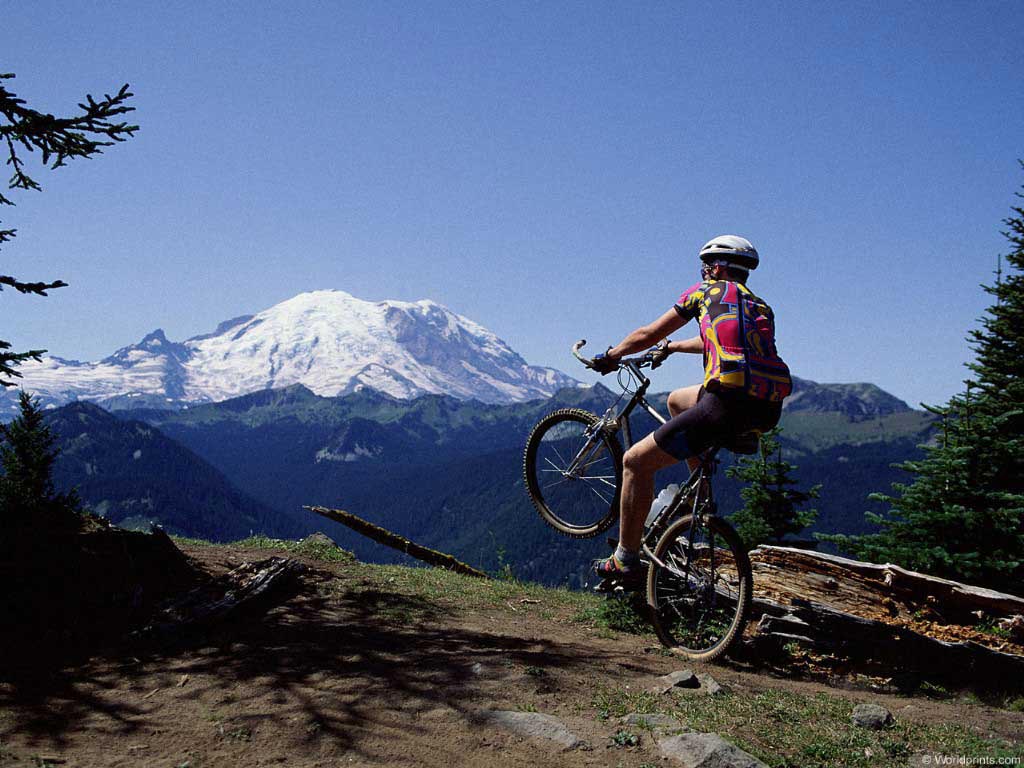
573 472
700 599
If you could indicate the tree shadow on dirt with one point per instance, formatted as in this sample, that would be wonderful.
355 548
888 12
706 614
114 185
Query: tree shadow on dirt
338 660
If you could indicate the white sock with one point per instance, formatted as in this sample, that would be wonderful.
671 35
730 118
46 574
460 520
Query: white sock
625 556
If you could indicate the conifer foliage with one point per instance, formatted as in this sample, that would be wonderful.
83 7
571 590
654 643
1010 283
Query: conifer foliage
27 453
24 131
772 507
962 516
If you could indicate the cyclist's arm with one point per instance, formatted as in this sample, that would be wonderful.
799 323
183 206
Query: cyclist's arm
694 345
648 335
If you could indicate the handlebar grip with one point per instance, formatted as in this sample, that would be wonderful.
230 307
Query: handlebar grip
576 353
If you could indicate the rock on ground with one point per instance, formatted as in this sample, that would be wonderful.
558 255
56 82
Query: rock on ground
709 685
534 725
680 679
650 721
685 681
321 539
871 716
706 750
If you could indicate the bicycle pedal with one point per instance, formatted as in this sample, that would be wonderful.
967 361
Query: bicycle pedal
618 586
608 586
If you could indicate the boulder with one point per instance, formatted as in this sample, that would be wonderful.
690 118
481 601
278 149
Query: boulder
650 721
709 685
706 750
534 725
871 716
680 679
320 539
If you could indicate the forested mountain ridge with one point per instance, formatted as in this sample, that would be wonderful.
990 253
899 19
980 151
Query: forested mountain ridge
132 474
448 472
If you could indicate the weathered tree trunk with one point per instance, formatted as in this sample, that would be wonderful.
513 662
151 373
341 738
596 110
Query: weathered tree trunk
862 610
856 581
402 544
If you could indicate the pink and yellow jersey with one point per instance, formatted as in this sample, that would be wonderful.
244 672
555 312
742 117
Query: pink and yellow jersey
738 331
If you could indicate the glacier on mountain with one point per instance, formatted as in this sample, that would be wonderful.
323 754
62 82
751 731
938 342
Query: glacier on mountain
329 341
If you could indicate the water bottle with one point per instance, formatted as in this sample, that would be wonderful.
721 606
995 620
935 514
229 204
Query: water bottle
663 500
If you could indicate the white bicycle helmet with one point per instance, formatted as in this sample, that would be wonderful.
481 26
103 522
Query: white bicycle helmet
730 250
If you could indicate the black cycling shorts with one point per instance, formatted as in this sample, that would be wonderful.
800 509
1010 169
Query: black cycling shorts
715 419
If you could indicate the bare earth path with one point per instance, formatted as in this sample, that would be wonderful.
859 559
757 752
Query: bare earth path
369 665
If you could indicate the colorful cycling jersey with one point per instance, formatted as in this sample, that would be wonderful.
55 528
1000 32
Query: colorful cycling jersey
738 331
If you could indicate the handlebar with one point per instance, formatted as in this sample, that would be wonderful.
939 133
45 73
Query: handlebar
576 353
645 360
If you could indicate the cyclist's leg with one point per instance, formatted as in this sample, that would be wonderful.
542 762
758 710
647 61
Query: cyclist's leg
682 438
639 465
683 398
691 431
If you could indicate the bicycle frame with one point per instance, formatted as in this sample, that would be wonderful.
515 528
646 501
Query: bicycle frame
619 421
700 477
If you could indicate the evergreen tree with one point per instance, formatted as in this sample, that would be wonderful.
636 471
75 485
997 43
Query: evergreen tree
962 516
771 508
57 139
27 454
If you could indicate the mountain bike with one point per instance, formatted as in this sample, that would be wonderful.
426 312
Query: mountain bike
699 581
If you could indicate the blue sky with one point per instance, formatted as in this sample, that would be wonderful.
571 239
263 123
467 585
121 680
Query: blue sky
547 169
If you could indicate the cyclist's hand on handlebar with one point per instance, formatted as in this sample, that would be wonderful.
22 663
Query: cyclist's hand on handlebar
604 363
660 353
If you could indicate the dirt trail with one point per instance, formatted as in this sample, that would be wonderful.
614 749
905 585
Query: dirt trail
348 670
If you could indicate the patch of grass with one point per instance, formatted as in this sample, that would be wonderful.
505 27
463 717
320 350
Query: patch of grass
533 671
527 707
934 690
1015 705
793 730
211 715
623 738
317 550
467 592
989 627
238 734
619 614
618 702
192 542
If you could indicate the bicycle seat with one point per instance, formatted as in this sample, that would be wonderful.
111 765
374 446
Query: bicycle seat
746 442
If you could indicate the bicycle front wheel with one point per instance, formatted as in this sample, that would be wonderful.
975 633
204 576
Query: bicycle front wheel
573 472
700 595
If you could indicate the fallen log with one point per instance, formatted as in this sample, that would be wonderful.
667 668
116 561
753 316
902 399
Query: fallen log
402 544
828 572
900 618
239 588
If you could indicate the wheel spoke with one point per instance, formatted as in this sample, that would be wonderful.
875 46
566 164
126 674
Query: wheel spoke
697 591
571 446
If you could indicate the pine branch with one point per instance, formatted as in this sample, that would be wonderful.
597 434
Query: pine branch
8 361
59 139
39 289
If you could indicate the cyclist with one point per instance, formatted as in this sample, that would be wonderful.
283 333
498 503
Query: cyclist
744 384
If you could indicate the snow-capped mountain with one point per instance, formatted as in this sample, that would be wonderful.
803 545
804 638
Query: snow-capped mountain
329 341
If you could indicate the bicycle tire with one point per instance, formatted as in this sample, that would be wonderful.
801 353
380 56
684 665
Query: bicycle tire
662 583
579 508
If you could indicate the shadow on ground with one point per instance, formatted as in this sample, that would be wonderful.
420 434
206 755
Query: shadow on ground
338 658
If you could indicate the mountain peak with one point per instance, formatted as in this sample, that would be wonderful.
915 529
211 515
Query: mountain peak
858 402
154 338
328 341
